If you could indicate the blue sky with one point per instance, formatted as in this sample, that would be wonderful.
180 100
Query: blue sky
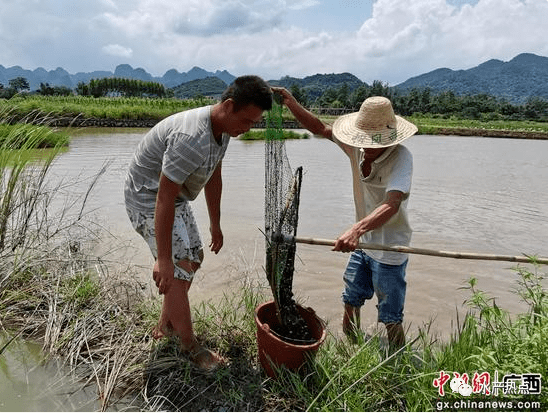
387 40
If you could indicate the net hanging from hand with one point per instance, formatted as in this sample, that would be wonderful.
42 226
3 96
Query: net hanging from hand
282 192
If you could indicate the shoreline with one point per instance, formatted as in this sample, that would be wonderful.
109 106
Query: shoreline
150 122
490 133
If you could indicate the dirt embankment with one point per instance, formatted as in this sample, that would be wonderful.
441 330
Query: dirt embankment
150 122
80 122
492 133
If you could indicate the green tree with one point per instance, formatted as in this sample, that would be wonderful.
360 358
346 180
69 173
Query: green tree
380 89
536 108
358 96
446 102
82 89
343 95
328 97
19 84
299 94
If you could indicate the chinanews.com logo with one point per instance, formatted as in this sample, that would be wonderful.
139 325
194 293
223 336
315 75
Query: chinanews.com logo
483 392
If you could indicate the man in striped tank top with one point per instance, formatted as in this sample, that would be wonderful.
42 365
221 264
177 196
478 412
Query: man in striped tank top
176 159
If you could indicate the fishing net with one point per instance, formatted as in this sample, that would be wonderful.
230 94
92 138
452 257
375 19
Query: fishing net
282 192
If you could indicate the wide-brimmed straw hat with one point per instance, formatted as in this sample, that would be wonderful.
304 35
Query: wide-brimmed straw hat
374 126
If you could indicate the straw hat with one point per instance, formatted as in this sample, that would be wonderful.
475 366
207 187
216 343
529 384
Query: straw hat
374 126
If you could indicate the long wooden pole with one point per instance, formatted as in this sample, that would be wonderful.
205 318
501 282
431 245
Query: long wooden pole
424 251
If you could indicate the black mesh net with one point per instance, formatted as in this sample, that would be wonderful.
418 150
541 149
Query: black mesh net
282 192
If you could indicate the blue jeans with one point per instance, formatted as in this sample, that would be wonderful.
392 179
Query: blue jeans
364 276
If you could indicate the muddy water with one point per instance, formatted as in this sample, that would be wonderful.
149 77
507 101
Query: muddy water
28 383
469 194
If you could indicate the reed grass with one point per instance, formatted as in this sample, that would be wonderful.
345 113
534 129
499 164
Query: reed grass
29 137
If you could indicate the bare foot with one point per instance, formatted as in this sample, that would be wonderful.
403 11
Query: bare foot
161 331
351 331
205 359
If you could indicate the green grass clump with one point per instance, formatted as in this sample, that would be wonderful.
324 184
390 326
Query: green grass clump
259 134
430 124
81 288
27 136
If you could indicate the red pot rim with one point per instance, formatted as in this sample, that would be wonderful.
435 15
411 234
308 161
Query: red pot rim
274 337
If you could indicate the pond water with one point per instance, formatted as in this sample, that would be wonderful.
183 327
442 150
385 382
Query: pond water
29 383
469 194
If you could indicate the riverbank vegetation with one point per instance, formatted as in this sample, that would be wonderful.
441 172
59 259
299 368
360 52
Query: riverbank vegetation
28 108
120 87
438 125
99 326
440 114
55 289
26 136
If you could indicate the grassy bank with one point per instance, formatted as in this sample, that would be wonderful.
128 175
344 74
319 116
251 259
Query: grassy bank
100 325
102 108
437 125
28 108
432 125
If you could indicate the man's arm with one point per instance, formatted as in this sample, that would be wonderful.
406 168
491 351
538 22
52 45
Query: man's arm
163 226
377 218
305 117
213 191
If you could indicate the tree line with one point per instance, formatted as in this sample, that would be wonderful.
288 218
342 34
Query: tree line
424 101
95 87
112 86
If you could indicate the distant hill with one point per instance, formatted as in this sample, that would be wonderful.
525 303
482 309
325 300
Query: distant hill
60 77
317 84
526 75
210 86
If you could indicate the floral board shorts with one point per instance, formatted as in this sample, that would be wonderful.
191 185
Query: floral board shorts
365 276
186 243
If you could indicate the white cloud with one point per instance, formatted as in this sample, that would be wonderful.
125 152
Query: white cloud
398 40
118 50
301 5
198 17
409 38
401 39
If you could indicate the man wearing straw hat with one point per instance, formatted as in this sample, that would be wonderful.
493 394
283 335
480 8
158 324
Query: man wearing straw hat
381 171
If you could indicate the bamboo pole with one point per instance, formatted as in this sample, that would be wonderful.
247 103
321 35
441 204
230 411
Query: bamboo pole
424 251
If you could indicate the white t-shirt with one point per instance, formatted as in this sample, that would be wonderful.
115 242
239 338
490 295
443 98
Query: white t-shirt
183 148
392 171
